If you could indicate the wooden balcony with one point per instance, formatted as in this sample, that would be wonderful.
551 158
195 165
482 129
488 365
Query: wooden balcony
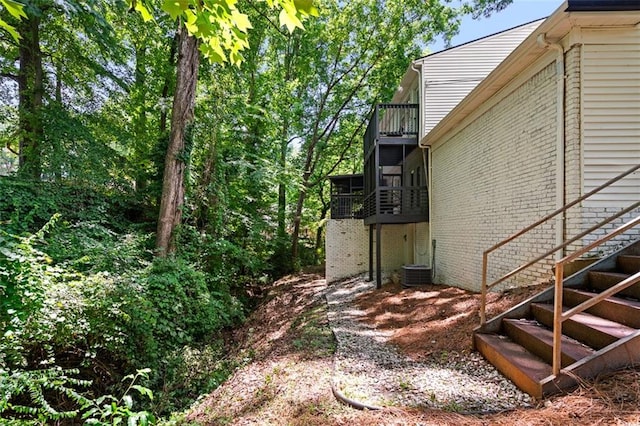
394 167
392 124
347 196
346 206
396 205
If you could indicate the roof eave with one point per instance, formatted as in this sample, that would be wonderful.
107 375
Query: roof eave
555 28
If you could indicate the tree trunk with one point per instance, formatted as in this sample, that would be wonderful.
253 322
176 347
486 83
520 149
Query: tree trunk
139 118
30 92
174 169
297 218
320 232
282 189
166 87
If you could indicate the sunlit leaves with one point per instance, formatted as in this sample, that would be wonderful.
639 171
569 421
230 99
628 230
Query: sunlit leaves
16 10
289 19
222 28
175 7
144 12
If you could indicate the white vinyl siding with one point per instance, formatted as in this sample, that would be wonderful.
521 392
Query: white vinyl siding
611 120
450 75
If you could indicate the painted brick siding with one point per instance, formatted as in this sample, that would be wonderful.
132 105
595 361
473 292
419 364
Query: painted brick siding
491 179
346 248
393 247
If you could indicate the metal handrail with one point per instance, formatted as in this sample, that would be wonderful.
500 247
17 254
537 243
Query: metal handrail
485 255
568 242
558 316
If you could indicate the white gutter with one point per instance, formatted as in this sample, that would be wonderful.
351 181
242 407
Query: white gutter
560 200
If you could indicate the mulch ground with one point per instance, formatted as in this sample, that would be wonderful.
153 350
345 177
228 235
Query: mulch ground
287 376
433 319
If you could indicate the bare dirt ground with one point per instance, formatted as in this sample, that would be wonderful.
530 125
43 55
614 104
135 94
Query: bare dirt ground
285 360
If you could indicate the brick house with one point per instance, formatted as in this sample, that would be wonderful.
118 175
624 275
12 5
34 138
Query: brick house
484 138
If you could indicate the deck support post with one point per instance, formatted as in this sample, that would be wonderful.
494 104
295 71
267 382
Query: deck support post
370 252
378 256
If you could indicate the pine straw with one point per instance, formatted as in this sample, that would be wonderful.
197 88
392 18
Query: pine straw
288 382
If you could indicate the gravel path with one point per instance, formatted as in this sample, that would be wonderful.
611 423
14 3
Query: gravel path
374 373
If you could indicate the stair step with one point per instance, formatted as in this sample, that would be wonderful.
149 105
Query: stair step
516 363
589 329
623 311
628 264
599 280
539 340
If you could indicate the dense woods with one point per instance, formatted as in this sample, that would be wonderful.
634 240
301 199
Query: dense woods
158 163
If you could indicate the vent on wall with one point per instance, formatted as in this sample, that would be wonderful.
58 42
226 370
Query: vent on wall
415 275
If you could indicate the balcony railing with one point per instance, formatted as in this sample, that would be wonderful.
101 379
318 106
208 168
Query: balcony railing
392 120
397 204
346 206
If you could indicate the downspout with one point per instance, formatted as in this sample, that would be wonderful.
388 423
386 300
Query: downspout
560 160
426 152
421 120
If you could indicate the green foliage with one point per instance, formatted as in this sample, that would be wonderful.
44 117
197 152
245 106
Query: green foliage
83 290
25 206
87 292
109 410
16 10
185 307
23 395
221 27
192 371
23 280
25 399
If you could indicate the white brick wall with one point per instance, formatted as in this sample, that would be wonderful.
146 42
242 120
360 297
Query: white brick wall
493 178
573 142
393 248
346 248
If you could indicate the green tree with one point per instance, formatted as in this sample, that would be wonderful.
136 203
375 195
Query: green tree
358 53
38 63
219 30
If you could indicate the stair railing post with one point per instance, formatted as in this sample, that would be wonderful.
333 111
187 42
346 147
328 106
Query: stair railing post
483 294
557 319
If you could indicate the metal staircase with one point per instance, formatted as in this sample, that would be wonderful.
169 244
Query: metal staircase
605 337
586 324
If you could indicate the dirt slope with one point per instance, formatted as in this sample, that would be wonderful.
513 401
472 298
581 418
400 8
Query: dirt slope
286 352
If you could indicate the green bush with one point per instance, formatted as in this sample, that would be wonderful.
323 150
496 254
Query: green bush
184 306
25 206
85 292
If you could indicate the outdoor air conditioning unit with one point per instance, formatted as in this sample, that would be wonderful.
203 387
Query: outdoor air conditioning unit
415 275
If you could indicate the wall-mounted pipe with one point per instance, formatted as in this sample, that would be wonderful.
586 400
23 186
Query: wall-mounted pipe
426 152
420 100
560 145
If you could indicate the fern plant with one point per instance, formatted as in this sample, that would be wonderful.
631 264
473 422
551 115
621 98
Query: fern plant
30 389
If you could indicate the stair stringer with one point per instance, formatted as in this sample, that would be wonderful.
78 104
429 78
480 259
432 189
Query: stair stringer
605 264
623 353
